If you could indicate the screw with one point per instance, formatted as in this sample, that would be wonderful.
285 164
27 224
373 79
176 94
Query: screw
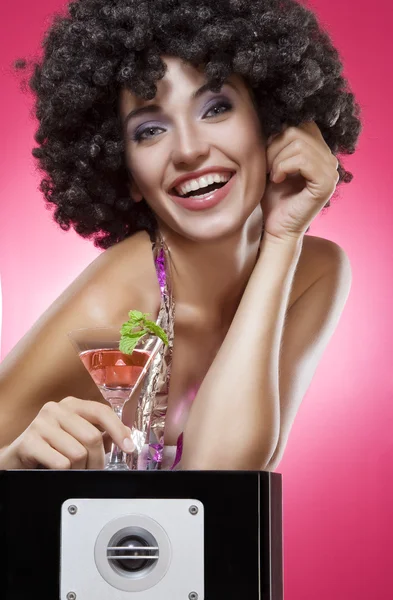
71 595
72 510
194 511
193 596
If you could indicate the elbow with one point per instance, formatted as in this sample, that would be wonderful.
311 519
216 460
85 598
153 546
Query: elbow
275 459
245 455
260 455
246 445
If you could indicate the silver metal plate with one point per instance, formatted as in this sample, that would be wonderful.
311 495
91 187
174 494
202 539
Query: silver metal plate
90 528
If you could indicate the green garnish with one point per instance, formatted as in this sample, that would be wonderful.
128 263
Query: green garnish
137 326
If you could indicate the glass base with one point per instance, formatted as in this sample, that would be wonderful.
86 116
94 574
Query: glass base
117 467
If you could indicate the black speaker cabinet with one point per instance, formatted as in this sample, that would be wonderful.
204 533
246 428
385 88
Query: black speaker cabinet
98 535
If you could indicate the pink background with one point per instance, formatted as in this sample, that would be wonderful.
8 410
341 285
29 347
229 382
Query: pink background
338 467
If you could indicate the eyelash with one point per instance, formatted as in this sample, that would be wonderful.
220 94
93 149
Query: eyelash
221 103
139 133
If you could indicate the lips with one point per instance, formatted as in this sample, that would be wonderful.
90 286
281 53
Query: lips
208 201
196 174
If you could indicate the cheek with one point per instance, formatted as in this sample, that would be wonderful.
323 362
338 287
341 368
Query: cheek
254 138
252 149
245 137
252 152
144 172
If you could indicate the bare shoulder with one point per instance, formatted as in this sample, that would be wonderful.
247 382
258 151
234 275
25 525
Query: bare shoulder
118 280
121 275
318 256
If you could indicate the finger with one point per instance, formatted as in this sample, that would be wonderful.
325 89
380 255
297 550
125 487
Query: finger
311 128
108 440
282 152
321 157
88 437
296 147
71 435
49 426
103 416
300 135
297 164
35 451
319 182
67 444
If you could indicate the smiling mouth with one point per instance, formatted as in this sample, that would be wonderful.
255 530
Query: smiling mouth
201 192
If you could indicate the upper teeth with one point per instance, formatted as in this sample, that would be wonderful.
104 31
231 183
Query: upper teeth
201 182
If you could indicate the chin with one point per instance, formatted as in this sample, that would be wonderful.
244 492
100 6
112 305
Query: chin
208 228
219 223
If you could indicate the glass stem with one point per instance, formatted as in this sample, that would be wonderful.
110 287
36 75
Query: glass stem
117 455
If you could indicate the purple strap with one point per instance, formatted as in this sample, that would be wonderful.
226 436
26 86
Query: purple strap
160 270
179 451
162 282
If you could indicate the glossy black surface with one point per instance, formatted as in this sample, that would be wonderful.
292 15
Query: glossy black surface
30 504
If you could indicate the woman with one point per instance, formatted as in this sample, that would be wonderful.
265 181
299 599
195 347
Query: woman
211 130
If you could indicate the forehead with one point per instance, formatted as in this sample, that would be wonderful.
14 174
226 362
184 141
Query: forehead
181 79
179 75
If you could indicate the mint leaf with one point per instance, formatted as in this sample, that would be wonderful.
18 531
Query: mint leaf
136 316
157 330
127 344
128 329
136 327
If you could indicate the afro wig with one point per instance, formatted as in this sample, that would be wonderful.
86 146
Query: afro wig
101 46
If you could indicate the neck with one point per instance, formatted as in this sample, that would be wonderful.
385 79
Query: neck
209 278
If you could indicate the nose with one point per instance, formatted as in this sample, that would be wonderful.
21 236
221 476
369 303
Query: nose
189 146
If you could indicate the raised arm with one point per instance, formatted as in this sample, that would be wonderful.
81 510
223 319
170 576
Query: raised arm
245 407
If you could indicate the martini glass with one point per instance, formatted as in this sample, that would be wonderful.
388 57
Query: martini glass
116 374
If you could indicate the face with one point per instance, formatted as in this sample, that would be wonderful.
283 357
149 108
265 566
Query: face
197 157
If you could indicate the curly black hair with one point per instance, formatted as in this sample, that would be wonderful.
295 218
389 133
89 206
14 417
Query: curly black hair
101 46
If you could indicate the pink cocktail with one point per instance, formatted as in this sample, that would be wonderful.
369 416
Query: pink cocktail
113 371
115 374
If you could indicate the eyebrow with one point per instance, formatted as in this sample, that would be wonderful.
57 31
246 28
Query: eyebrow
155 108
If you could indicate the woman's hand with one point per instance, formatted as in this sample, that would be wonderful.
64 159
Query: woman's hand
67 435
303 177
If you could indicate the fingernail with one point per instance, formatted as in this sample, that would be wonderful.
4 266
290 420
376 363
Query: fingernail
128 445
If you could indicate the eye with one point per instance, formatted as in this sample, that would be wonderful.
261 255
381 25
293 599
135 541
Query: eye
147 133
218 109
